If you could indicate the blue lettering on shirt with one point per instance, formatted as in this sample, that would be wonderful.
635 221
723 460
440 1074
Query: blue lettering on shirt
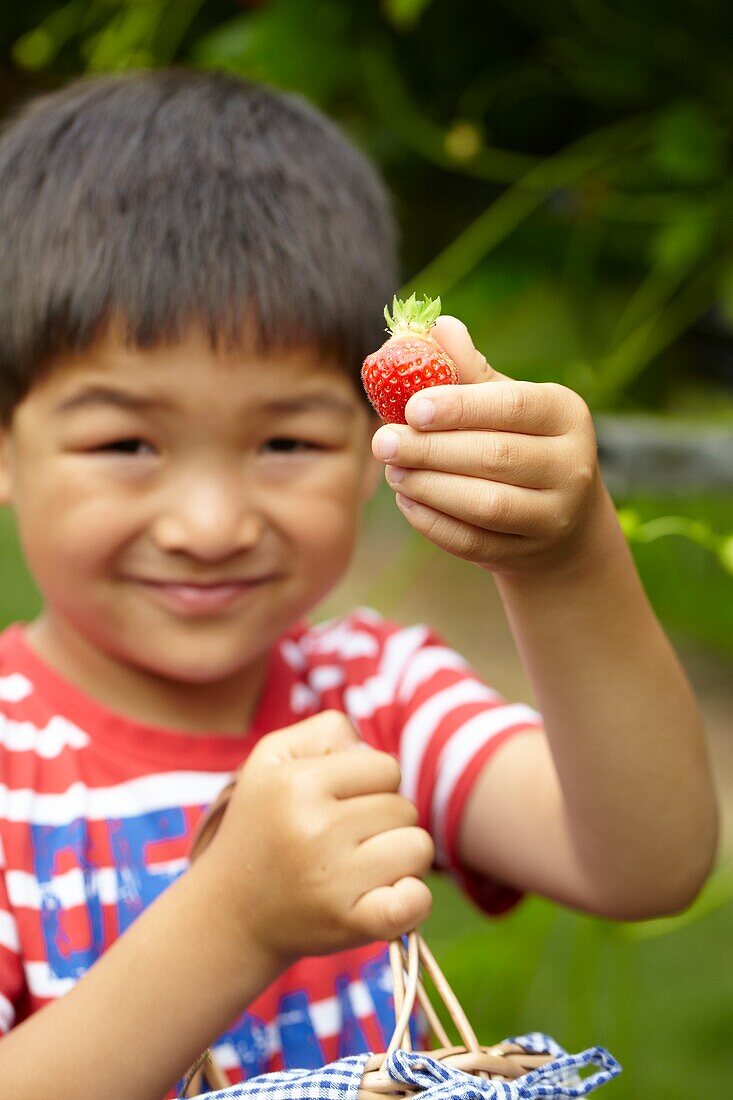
57 846
351 1036
300 1046
50 842
377 977
248 1036
137 884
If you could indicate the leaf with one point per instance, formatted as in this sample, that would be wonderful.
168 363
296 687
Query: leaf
726 554
39 47
227 46
682 242
306 48
120 44
404 14
689 145
600 74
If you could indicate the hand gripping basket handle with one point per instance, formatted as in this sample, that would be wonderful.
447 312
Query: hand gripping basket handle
505 1060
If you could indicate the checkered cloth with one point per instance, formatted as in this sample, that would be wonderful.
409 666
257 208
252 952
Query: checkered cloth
557 1080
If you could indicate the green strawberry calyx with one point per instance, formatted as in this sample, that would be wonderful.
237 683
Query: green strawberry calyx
413 317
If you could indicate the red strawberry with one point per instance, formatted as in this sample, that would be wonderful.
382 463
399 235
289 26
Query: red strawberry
409 361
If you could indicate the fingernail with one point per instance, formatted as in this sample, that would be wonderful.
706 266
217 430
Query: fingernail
404 502
423 412
387 443
395 474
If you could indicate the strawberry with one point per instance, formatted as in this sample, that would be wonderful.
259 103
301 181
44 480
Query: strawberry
409 361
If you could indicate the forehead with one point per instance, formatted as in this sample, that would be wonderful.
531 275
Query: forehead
190 376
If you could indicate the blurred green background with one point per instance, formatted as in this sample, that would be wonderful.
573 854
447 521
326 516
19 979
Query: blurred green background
562 177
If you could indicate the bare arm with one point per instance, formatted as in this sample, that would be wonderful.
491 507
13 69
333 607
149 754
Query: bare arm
136 1021
305 862
614 811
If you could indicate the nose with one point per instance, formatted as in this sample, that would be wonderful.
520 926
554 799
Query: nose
209 518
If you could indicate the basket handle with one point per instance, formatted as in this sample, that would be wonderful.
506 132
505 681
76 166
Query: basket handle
404 964
408 987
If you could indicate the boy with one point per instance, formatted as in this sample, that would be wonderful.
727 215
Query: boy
193 269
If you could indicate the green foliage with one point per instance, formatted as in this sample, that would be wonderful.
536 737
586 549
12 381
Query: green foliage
405 13
689 145
577 187
19 600
562 177
554 124
106 35
291 45
684 552
562 181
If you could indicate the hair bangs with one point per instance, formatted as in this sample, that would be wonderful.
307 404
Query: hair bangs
172 200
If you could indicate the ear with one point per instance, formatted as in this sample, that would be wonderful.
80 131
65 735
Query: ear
4 465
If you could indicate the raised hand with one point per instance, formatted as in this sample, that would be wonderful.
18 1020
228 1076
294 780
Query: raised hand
501 472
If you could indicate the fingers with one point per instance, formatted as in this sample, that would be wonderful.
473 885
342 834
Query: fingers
394 854
391 911
534 462
391 866
499 551
354 772
321 734
328 754
372 814
532 408
488 505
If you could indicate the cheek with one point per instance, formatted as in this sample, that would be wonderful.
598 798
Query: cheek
324 523
66 531
328 526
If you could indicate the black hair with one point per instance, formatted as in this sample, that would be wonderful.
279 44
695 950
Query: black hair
176 198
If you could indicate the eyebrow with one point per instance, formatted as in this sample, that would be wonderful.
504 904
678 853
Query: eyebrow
311 402
104 395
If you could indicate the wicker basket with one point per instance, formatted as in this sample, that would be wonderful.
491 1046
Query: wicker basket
504 1061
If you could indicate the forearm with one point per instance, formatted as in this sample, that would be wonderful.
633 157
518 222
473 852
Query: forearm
621 720
136 1021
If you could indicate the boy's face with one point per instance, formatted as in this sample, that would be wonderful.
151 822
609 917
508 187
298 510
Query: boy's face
180 509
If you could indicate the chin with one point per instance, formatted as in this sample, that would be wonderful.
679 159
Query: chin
202 668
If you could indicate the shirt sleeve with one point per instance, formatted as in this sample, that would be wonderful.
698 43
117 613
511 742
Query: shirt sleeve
12 981
451 724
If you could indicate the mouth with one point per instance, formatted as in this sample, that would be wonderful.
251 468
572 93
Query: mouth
198 597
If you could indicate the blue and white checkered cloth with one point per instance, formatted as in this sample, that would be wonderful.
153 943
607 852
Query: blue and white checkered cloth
557 1080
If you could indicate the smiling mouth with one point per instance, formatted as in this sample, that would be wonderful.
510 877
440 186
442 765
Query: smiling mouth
201 597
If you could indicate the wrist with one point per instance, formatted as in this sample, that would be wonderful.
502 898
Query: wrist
245 960
585 557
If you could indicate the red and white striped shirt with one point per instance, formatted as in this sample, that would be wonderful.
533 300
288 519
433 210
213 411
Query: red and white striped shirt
97 813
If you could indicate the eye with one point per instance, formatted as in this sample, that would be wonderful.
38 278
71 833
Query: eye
289 445
131 446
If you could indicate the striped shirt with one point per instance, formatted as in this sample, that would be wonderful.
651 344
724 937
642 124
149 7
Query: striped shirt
97 813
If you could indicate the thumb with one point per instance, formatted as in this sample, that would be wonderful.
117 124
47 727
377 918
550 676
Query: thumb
454 337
